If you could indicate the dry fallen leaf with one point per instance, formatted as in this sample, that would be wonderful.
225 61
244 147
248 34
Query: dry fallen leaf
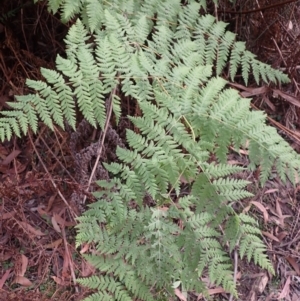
10 157
62 222
87 269
66 264
271 190
54 244
262 283
55 224
85 248
281 235
292 261
59 281
262 209
7 215
291 99
270 236
213 291
286 289
23 281
279 214
32 230
24 264
4 278
179 294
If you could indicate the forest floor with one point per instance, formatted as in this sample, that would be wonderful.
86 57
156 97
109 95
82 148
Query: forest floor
38 258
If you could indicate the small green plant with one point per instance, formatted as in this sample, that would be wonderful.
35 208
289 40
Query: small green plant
147 231
7 264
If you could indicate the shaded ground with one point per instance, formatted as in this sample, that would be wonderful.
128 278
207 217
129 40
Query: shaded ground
38 260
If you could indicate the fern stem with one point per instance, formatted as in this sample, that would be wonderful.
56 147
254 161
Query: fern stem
102 138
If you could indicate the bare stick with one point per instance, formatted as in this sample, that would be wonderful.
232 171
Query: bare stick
101 140
235 271
52 181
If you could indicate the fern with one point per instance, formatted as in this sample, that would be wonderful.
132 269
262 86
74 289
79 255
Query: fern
76 83
148 228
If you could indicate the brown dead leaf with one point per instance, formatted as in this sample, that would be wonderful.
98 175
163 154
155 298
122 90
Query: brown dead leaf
7 215
279 213
24 264
248 92
262 208
59 281
267 101
164 209
294 264
244 152
179 294
23 281
63 222
4 278
65 271
270 236
55 224
50 202
30 229
281 235
291 99
42 212
271 190
87 269
286 289
10 157
262 283
53 245
258 286
212 291
84 248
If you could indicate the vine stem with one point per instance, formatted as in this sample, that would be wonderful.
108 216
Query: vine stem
101 140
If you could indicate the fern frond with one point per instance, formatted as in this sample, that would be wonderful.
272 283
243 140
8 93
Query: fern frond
251 245
163 213
95 11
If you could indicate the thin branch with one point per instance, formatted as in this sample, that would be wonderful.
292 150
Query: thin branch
51 179
235 271
258 9
101 140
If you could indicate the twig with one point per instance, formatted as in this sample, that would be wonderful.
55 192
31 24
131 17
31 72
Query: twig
52 181
101 140
259 9
57 160
69 257
235 271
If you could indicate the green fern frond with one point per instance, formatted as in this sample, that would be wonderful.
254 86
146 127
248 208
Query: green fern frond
163 213
251 245
94 11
